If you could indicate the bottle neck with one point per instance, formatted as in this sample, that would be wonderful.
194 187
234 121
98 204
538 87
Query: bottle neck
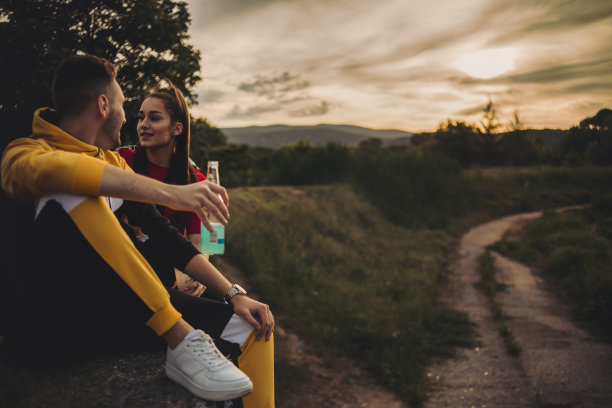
212 174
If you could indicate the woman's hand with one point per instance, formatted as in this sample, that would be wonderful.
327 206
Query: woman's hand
256 313
186 284
190 287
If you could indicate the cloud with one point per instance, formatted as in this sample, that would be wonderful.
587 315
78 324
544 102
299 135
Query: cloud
591 87
216 11
568 80
275 86
586 69
206 95
588 108
552 16
238 113
283 90
313 110
296 86
474 110
390 64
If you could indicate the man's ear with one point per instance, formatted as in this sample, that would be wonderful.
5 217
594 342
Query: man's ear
177 129
102 106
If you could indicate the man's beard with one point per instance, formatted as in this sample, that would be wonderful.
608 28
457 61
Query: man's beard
116 142
109 129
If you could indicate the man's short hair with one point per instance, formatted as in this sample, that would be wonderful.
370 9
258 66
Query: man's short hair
78 80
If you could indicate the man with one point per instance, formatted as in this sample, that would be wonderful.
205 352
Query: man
97 238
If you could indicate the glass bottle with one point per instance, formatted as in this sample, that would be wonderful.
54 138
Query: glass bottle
213 243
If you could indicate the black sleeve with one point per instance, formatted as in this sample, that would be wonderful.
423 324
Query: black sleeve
163 237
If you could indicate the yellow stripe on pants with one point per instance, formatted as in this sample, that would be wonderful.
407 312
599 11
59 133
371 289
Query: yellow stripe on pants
257 361
102 230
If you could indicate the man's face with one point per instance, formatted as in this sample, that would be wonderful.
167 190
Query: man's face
116 118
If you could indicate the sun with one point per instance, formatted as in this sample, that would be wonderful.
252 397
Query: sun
485 64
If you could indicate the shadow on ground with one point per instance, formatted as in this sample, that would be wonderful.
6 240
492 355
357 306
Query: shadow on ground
128 380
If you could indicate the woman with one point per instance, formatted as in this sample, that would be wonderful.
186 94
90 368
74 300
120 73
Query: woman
163 154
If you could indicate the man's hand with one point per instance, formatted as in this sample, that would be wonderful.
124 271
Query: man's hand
197 197
256 313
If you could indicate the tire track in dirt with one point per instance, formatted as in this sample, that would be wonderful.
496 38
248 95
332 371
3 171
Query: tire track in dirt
560 365
566 366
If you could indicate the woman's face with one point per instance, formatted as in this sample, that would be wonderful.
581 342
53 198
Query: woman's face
155 128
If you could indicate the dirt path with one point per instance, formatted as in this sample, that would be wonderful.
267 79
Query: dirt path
560 365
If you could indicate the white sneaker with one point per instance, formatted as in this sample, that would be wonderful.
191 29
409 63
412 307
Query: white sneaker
200 367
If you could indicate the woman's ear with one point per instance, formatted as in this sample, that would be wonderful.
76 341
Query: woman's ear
177 129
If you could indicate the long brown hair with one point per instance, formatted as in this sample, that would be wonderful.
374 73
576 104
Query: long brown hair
180 169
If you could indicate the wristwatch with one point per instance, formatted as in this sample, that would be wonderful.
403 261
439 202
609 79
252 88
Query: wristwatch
235 290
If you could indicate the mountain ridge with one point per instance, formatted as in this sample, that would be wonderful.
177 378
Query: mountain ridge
319 135
278 135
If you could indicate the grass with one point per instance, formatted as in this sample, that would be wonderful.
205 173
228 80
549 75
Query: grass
573 251
490 287
352 275
347 278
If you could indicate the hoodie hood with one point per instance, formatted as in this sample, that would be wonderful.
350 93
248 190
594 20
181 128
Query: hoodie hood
44 126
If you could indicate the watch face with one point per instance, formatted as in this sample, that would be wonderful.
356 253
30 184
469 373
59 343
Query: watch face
236 290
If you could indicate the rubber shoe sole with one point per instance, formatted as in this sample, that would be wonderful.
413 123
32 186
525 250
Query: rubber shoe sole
209 395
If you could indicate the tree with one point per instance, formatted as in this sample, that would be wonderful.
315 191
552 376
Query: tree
517 124
371 143
203 137
601 121
489 124
517 147
459 140
145 39
590 141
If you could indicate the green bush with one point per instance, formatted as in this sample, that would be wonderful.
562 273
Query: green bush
412 188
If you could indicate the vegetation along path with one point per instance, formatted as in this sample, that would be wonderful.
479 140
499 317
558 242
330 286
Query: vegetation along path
560 364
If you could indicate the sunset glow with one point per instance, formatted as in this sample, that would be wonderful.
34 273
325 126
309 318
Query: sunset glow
487 64
401 64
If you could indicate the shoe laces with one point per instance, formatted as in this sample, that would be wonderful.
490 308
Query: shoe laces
205 348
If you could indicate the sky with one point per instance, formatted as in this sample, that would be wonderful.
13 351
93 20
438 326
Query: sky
401 64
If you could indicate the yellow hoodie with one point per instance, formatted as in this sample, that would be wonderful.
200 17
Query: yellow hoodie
53 161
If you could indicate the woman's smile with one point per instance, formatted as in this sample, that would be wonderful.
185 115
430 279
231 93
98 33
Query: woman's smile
155 128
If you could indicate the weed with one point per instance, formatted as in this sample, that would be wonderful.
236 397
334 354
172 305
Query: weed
355 268
347 278
489 285
573 250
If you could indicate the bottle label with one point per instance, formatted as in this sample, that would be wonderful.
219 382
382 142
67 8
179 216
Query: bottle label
213 242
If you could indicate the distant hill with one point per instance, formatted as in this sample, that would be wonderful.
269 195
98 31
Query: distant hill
276 136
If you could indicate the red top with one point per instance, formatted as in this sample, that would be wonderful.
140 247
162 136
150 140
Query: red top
160 173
